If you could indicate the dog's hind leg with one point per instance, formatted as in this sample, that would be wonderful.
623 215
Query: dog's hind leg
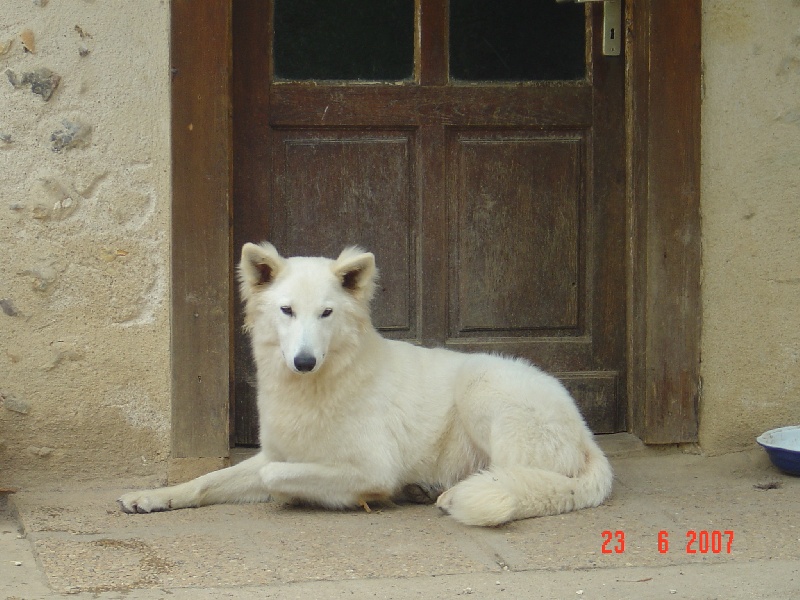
505 492
419 493
240 483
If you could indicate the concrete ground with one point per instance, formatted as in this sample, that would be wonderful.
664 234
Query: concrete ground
74 541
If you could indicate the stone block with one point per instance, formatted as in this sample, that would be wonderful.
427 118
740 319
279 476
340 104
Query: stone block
71 134
42 81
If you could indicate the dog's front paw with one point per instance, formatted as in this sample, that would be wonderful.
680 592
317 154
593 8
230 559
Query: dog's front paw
144 502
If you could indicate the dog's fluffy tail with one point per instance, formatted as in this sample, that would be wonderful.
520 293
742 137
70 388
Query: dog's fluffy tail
501 494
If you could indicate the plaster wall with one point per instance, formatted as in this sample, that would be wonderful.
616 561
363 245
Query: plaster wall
750 203
84 223
84 232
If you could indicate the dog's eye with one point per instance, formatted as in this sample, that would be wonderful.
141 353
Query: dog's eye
287 310
327 312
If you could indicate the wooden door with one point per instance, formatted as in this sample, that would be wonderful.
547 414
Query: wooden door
477 148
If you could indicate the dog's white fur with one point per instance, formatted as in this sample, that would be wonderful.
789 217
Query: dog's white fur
347 416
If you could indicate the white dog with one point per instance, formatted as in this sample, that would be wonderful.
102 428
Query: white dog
349 417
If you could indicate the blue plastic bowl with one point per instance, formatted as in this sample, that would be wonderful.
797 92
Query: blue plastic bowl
783 447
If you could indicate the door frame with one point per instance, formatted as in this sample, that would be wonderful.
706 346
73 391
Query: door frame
663 223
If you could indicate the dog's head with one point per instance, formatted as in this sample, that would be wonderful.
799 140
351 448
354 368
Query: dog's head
306 306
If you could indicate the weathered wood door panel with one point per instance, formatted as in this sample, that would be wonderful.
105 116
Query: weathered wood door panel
517 199
495 208
335 188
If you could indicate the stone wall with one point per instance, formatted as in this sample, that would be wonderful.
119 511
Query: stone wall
84 236
751 220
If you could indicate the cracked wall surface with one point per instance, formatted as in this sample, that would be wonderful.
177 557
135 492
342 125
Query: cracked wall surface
750 201
84 235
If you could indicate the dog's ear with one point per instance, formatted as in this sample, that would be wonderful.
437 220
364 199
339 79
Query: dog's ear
260 265
356 270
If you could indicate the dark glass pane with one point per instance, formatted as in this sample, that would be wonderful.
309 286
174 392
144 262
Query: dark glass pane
516 40
344 39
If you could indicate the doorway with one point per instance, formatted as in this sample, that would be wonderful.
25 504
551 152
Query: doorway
478 152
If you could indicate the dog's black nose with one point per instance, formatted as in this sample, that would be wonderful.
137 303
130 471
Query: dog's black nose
304 363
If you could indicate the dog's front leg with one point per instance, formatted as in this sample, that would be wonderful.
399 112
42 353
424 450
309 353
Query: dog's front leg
240 483
333 486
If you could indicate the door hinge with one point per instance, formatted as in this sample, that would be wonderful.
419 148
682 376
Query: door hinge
612 25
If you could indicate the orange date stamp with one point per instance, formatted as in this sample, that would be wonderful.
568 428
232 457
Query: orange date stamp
700 541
